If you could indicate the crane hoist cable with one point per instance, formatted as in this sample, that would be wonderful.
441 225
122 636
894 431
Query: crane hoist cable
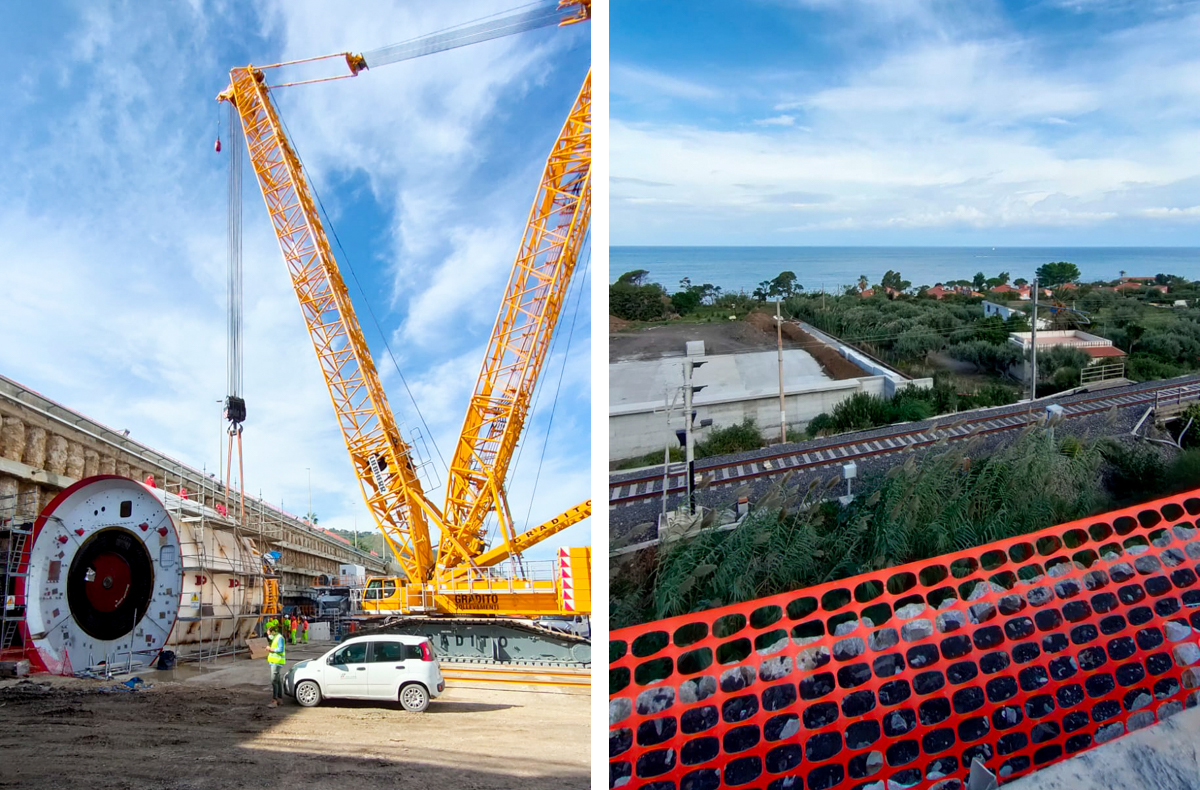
235 404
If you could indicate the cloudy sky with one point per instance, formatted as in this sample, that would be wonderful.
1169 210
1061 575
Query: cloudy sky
113 229
922 122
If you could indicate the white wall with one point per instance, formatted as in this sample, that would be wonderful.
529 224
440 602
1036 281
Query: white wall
639 430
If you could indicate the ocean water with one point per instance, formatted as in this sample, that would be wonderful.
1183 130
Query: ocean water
742 268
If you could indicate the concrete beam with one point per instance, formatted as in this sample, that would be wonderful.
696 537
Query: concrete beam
34 475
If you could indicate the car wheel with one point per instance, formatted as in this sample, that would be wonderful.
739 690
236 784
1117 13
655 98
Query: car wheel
308 693
414 697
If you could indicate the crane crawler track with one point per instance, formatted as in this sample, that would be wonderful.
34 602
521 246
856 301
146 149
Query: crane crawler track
489 641
627 489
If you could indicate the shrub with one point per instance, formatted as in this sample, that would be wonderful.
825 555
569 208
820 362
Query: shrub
731 439
637 302
822 423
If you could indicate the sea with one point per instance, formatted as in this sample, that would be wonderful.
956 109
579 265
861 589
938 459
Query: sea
833 268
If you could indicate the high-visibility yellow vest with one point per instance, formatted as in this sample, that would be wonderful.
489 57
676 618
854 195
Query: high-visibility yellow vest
277 654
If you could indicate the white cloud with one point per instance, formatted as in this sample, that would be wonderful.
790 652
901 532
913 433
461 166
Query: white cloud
112 229
960 126
778 120
646 84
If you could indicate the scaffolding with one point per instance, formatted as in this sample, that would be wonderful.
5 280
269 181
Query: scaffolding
213 543
17 515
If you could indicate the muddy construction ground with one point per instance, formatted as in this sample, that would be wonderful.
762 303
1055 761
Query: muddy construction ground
206 729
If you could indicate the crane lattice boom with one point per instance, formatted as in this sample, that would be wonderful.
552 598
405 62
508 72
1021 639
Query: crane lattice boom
537 289
381 459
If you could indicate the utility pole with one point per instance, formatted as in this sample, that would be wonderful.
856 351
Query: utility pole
666 453
1033 346
779 346
310 517
688 425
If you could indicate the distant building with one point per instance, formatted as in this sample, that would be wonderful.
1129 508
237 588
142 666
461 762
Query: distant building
1005 313
1137 285
1100 349
991 308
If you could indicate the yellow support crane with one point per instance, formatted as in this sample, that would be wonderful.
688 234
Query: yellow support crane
462 575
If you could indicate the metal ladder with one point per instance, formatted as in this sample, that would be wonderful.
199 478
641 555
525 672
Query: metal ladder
12 562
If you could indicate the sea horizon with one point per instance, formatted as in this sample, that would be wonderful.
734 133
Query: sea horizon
817 267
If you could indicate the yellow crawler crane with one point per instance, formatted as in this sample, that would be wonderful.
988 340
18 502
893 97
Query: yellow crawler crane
463 577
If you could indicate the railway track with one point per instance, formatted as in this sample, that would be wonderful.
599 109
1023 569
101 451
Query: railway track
630 489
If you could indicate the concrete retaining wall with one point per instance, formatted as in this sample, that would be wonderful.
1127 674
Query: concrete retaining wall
45 447
639 430
894 379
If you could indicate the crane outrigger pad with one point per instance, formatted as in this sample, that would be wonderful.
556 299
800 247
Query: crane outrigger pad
488 640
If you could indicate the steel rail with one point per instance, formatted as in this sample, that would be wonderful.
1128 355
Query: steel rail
944 431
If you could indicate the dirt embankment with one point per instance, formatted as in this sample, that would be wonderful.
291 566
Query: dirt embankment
832 363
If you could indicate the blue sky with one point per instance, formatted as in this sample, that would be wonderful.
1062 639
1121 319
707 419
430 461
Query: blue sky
113 217
905 122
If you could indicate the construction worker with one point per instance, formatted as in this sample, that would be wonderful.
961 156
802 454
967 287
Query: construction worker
295 629
285 628
304 630
276 659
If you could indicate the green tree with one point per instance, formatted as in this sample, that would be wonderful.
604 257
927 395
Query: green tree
1020 281
634 302
894 281
635 277
915 343
784 285
862 282
686 301
979 281
1057 273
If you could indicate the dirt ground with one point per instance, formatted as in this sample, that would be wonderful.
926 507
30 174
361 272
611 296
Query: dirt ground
654 342
755 333
212 729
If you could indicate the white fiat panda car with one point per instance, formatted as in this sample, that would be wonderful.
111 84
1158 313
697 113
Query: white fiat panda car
381 667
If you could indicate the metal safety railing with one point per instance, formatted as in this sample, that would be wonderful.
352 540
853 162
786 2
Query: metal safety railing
1018 653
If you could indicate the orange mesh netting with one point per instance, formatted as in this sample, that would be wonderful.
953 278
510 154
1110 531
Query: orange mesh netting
1019 653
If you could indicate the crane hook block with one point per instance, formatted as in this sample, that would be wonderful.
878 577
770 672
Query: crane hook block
235 409
217 145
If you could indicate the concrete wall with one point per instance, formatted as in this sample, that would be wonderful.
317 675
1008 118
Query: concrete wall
894 380
639 430
45 447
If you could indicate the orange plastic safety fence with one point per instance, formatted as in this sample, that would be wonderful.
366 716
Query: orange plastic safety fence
1019 653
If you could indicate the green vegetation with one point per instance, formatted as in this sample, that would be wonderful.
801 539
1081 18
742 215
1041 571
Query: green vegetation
1052 274
633 298
367 540
781 287
948 502
649 459
863 411
731 439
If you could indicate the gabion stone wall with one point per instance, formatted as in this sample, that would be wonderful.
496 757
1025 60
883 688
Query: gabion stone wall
1018 653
